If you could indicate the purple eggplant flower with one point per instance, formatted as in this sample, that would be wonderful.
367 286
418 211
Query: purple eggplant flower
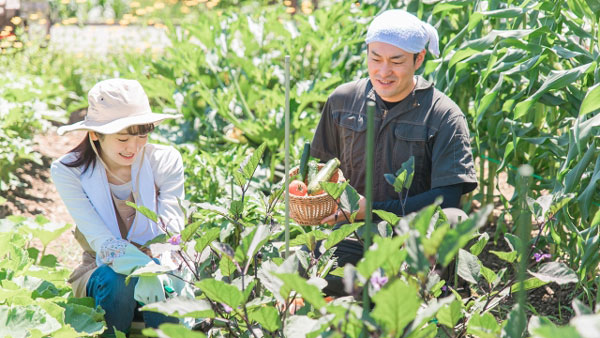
444 288
378 281
541 256
227 308
175 240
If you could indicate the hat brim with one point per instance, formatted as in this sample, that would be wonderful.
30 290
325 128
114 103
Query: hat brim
117 125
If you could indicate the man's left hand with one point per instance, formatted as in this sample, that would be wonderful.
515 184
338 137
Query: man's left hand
338 215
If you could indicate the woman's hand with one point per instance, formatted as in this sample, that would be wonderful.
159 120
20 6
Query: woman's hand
338 216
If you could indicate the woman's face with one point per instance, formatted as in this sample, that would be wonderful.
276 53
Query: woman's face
120 149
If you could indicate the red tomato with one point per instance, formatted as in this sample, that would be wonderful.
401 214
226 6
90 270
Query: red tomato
298 188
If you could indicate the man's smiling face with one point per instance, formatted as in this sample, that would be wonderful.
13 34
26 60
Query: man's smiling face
392 70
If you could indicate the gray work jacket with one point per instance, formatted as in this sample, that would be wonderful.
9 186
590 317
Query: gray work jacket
427 125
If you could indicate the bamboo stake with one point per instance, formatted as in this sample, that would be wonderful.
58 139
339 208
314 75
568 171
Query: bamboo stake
369 197
287 156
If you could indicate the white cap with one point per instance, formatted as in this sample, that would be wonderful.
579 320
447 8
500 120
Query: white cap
403 30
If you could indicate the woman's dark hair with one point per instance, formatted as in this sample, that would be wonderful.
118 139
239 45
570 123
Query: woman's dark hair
84 152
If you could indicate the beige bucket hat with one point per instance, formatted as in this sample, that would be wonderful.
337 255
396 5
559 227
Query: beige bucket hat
114 105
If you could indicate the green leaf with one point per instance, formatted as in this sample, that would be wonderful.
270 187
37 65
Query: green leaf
450 315
404 175
396 306
483 326
375 257
226 266
459 237
556 80
182 307
18 321
208 237
309 239
515 324
221 292
119 334
489 274
44 230
505 256
415 258
349 200
49 261
553 331
530 283
309 292
259 236
591 102
586 326
468 266
340 234
477 248
556 272
251 162
188 232
151 215
335 190
239 179
387 216
424 217
267 317
85 319
237 208
172 331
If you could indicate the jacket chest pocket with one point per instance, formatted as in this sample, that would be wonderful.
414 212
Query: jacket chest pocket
352 131
413 140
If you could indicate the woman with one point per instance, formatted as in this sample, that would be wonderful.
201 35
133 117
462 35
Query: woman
111 166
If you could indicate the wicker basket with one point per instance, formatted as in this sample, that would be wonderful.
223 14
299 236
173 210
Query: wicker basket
310 210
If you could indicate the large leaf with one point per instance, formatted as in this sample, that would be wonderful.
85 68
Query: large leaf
395 306
221 292
188 232
169 330
591 102
44 230
18 321
182 307
309 292
468 266
378 254
450 314
483 326
208 237
349 200
85 319
340 234
457 238
556 272
587 326
267 317
260 236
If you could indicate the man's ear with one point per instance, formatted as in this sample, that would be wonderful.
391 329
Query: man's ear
420 59
93 136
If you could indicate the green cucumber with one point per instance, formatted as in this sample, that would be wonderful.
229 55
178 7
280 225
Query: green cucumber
303 169
313 169
324 175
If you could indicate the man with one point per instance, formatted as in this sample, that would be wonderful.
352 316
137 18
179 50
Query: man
412 118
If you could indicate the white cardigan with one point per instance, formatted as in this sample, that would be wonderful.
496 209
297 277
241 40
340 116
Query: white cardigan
167 168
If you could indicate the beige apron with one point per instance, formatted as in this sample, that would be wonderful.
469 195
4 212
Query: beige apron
81 274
